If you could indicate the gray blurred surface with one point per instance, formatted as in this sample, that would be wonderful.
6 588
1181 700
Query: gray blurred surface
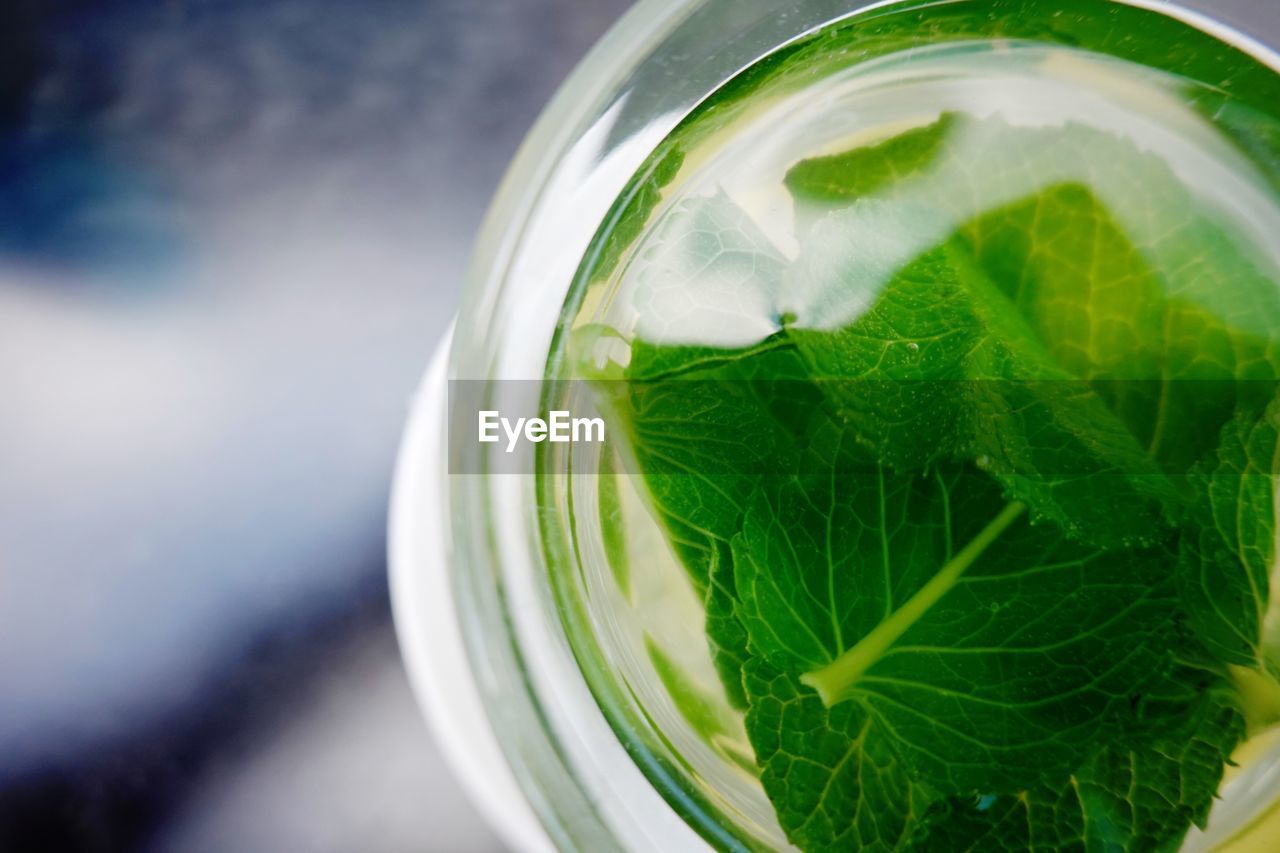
231 233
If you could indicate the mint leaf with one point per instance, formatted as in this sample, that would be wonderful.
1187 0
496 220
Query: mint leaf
896 373
940 362
930 482
1142 794
702 424
865 170
726 634
955 647
1143 293
830 772
612 525
1050 438
993 651
1126 319
1227 567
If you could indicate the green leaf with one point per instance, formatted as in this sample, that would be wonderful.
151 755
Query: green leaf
865 170
702 425
1144 293
940 362
896 373
1227 571
928 486
725 632
1141 794
831 773
1050 439
1129 320
993 651
955 647
838 784
613 525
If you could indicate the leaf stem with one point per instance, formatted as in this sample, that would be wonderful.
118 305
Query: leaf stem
834 680
1259 697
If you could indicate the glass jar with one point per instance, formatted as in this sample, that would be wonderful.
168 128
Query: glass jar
560 728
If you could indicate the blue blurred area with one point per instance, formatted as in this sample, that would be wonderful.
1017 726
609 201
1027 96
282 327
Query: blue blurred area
68 206
231 232
71 200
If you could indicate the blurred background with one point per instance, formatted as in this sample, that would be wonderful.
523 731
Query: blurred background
231 233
